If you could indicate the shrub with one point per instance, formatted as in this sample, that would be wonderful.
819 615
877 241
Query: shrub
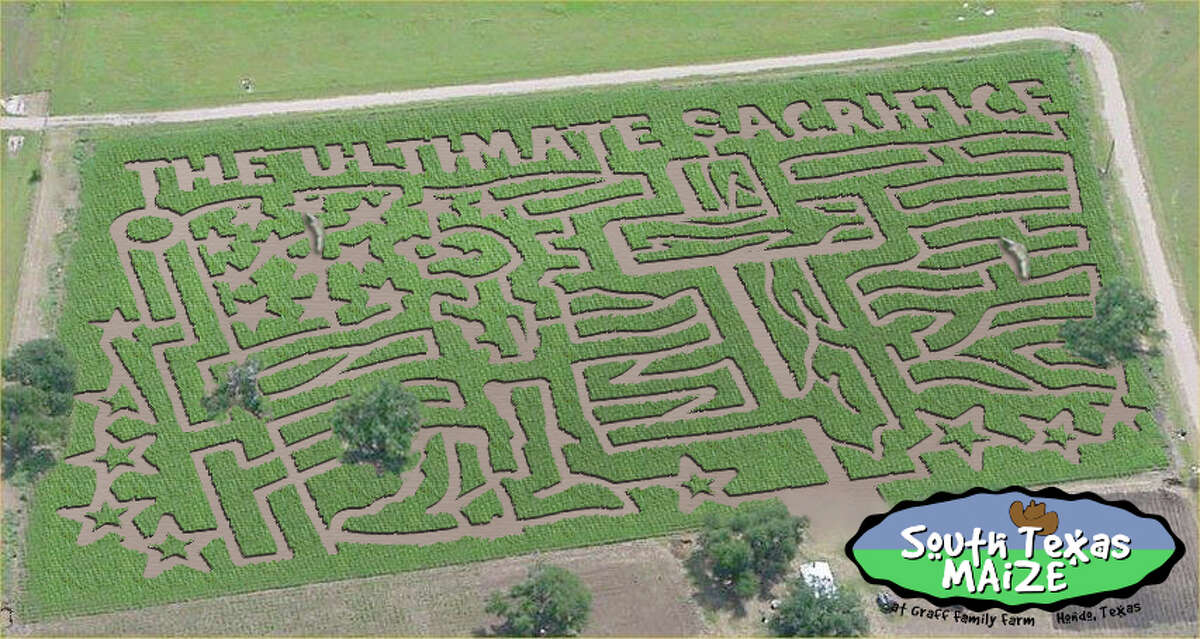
1122 328
551 602
25 449
809 612
377 425
238 387
43 364
745 551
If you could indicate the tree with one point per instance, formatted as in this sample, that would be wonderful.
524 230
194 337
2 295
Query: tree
746 550
377 425
28 433
238 386
19 401
808 612
729 562
34 422
44 364
1122 327
551 602
24 451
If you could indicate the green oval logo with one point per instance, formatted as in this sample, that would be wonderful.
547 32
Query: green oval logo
1015 549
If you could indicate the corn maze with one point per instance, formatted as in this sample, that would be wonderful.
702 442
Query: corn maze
620 310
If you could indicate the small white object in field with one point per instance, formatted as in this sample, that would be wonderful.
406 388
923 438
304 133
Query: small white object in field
15 104
965 5
960 18
15 142
819 577
775 604
989 12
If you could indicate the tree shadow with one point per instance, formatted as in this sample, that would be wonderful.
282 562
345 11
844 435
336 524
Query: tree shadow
709 593
768 583
498 629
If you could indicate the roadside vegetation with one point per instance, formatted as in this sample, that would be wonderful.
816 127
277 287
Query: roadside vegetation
20 175
37 404
1122 328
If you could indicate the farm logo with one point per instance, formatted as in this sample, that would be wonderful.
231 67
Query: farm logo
1015 549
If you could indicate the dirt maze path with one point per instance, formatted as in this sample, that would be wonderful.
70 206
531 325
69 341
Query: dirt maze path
655 368
1182 351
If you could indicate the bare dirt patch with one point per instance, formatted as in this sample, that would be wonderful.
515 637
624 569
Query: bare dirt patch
1166 608
835 519
638 589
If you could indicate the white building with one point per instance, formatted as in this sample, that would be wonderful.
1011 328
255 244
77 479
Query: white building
819 577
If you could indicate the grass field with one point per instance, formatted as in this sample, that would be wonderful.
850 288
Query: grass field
17 173
190 55
99 57
592 314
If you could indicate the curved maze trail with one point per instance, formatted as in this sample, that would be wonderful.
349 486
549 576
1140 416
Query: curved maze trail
588 342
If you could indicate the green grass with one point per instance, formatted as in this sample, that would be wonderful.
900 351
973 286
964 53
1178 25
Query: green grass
764 461
1157 58
16 174
145 56
99 57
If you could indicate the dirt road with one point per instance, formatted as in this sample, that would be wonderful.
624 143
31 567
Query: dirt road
1181 343
50 202
57 192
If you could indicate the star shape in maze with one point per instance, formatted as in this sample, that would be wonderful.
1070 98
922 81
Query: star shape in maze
698 484
510 222
964 435
172 546
106 516
121 400
115 457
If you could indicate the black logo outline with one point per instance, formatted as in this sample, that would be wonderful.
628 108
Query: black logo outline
1154 577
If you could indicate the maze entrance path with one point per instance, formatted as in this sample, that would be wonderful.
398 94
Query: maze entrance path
614 327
